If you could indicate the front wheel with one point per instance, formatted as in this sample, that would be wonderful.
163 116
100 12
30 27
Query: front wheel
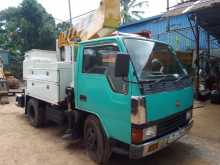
97 144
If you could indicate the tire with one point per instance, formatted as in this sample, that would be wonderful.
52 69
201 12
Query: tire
35 113
97 145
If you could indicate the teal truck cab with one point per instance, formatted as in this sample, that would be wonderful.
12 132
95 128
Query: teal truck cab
130 94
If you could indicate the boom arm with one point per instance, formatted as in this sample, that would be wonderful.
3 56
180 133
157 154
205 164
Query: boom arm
98 23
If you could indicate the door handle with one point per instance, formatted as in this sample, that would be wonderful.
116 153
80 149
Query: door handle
83 98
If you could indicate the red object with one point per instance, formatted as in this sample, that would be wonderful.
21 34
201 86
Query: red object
145 34
137 135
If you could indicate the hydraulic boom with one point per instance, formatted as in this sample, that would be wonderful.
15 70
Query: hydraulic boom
95 24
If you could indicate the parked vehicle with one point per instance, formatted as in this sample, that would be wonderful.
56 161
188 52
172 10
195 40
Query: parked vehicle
123 93
131 95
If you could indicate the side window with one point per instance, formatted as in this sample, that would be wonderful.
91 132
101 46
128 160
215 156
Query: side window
101 60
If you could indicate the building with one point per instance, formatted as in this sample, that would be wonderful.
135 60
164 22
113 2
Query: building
185 26
176 31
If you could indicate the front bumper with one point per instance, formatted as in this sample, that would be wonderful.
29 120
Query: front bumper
139 151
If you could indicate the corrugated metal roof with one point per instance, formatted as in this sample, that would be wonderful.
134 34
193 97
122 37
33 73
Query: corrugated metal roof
141 21
180 34
207 12
178 9
208 18
190 7
202 4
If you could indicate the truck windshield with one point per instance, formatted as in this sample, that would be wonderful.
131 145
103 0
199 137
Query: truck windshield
153 61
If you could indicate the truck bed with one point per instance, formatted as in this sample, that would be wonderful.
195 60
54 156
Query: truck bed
46 79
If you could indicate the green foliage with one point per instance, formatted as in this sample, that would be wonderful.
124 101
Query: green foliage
26 27
62 27
23 26
132 9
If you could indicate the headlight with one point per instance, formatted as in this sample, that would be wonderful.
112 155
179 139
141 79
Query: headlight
149 132
189 115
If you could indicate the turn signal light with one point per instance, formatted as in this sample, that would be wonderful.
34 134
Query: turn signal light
137 135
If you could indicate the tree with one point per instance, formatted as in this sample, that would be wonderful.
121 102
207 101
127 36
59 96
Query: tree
132 9
26 27
62 27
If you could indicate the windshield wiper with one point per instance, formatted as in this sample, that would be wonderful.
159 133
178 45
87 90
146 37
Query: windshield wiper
156 73
146 81
154 82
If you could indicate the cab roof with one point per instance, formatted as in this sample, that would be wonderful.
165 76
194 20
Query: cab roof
120 36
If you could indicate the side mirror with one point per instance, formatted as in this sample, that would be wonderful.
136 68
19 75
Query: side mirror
122 65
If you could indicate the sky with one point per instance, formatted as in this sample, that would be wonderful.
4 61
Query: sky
59 8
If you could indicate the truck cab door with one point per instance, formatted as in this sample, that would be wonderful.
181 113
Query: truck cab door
99 92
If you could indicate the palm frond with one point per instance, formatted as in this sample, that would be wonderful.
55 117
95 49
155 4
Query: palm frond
141 4
132 9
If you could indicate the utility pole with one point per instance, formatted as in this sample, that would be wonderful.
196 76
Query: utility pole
197 43
168 19
208 44
70 13
71 48
168 5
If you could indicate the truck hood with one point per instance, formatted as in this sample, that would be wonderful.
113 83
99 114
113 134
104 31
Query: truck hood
164 104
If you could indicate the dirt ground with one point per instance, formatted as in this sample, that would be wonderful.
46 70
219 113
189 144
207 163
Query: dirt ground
21 144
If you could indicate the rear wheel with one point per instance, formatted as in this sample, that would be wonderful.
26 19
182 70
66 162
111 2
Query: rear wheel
97 144
35 113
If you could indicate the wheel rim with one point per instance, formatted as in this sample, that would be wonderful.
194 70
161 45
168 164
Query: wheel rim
91 139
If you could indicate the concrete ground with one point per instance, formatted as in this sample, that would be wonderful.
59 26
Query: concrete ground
21 144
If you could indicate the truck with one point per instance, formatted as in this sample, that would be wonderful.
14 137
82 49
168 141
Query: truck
125 93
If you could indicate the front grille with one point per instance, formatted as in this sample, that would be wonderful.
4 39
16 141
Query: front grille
168 86
171 124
